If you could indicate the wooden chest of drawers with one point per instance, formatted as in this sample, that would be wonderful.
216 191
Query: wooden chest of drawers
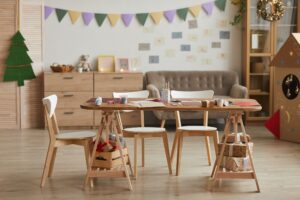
72 89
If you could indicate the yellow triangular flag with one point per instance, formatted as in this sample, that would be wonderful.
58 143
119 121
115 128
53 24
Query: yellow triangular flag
195 10
113 19
156 17
74 15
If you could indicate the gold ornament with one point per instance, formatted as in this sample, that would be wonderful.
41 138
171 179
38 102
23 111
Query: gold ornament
270 10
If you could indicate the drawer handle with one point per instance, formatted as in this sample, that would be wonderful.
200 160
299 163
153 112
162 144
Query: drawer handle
68 77
68 113
118 77
68 95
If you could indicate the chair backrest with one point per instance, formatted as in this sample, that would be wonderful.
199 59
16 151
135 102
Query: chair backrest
50 103
134 94
204 94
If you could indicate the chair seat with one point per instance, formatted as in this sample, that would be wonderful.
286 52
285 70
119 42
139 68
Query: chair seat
197 128
145 129
76 135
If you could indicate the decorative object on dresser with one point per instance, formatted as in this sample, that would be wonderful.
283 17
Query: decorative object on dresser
106 64
122 65
55 67
84 65
75 88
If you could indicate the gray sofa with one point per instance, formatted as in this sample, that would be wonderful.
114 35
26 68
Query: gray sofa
224 83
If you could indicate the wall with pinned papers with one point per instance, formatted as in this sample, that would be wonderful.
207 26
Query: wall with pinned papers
154 35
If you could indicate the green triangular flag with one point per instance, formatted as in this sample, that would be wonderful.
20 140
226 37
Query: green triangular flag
100 18
142 17
18 61
60 13
221 4
182 13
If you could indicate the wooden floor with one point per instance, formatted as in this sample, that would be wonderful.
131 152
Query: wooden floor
22 155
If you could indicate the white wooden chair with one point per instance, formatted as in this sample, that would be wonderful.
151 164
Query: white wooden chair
182 131
139 133
82 138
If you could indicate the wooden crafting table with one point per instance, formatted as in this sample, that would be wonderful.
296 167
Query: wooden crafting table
110 120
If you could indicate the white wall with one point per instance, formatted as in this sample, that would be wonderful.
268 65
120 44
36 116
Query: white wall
64 42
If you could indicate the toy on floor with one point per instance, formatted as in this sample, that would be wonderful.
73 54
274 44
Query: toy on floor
284 124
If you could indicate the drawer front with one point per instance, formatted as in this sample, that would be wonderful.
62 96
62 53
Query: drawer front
68 82
74 117
128 118
71 99
118 82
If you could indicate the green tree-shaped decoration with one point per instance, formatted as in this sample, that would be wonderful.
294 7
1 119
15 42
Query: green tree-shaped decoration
18 63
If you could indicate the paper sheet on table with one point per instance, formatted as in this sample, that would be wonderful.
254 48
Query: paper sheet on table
147 104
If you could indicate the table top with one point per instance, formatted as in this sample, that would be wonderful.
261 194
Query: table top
249 105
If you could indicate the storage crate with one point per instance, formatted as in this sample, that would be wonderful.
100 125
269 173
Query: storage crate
110 159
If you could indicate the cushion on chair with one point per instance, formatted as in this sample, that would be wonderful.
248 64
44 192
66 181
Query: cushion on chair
197 128
76 135
145 129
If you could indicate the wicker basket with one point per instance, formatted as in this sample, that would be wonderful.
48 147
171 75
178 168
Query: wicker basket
62 68
110 159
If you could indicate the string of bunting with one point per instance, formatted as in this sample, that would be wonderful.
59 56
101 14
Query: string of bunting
141 17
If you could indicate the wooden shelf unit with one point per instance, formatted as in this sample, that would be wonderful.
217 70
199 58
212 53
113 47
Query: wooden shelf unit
261 41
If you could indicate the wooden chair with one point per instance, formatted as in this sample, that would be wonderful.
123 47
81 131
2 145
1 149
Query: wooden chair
82 138
183 131
142 132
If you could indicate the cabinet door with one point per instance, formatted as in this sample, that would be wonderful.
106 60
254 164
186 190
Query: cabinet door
9 92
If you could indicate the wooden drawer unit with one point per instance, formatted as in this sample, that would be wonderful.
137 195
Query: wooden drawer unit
69 82
115 82
74 117
70 99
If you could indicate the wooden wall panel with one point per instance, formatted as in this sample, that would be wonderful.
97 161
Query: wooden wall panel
32 92
9 92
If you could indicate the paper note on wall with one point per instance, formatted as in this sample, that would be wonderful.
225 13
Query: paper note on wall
176 35
170 53
185 47
193 24
144 46
153 59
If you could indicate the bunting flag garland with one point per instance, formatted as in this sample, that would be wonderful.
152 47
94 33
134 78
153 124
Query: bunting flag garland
142 17
156 17
208 8
169 15
100 18
195 10
74 15
48 11
182 13
60 13
87 17
113 19
221 4
127 18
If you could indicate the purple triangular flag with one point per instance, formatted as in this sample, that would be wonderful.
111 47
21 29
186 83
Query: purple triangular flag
169 15
208 7
48 11
127 18
87 17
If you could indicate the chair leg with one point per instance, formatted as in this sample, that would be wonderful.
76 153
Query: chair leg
163 122
216 142
130 166
135 156
52 162
207 144
87 152
174 146
166 146
47 164
143 152
179 153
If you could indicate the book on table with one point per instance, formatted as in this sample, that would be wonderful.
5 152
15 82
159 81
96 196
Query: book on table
147 104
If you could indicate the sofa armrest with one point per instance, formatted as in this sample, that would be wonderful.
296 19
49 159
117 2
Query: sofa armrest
239 91
154 92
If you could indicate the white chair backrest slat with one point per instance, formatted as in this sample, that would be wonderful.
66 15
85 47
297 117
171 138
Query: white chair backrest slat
50 103
204 94
134 94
